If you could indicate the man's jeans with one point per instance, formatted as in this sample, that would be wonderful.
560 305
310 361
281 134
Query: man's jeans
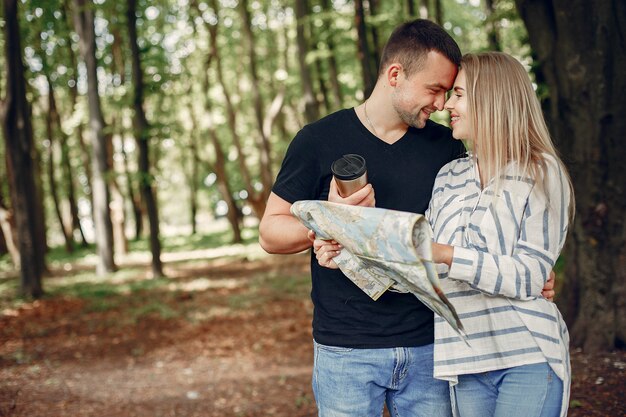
357 382
522 391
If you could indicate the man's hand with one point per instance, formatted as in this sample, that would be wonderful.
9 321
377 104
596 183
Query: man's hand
363 197
548 289
325 250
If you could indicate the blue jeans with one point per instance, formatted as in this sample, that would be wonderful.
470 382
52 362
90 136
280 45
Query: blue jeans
357 382
522 391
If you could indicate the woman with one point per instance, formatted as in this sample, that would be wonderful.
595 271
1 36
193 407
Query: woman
500 218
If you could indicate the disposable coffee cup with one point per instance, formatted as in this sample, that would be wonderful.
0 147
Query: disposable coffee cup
350 174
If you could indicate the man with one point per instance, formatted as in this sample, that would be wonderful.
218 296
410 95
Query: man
371 352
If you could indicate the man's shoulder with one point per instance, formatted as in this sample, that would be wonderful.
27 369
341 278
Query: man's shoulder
330 121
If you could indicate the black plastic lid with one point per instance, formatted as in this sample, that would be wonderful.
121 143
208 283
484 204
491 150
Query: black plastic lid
349 167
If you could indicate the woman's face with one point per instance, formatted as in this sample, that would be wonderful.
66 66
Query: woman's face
457 106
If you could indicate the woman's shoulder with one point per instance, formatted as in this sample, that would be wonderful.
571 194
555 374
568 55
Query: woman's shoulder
456 168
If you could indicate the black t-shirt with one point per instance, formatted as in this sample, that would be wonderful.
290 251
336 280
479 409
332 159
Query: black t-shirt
402 175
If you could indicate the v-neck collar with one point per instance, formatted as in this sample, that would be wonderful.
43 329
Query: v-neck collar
375 139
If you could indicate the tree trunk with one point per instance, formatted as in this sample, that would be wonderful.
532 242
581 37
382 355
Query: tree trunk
8 232
319 70
438 12
311 109
192 171
117 205
141 134
582 53
376 47
255 199
84 154
492 26
71 192
333 72
18 136
135 198
84 22
219 167
51 117
263 142
369 77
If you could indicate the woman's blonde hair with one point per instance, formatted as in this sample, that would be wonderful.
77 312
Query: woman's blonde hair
506 119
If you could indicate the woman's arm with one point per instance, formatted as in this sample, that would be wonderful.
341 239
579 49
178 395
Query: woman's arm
523 274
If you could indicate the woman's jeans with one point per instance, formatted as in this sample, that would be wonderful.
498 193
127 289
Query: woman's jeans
357 382
522 391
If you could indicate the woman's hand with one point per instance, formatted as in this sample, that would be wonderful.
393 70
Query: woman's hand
442 254
325 251
548 289
363 197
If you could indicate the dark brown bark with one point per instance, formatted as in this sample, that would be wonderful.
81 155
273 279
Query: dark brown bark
219 166
51 118
321 82
438 12
333 71
18 136
376 47
263 142
492 26
364 54
84 23
255 199
142 135
581 48
134 197
311 109
409 7
71 191
84 154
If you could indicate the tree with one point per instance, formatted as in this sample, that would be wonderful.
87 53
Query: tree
18 136
311 109
582 54
140 124
368 72
492 24
101 198
263 143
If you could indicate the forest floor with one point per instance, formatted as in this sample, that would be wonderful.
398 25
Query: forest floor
225 334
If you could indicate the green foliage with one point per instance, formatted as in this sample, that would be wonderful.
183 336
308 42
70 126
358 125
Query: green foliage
184 100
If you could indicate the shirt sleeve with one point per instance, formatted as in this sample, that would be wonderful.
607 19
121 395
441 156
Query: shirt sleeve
298 178
543 229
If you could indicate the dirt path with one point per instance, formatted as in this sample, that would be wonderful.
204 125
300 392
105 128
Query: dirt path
240 346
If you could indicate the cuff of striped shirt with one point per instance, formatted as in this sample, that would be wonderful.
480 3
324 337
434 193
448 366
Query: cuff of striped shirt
464 263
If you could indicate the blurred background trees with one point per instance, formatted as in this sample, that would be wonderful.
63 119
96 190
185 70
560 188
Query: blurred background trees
142 119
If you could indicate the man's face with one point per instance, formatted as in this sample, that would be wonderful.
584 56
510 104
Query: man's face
424 92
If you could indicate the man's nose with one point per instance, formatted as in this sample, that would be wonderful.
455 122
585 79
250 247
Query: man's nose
440 101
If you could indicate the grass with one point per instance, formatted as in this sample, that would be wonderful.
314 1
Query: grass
58 256
132 293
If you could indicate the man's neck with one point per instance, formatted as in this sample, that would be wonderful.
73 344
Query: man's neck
379 117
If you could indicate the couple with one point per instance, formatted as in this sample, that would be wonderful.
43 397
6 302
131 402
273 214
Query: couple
499 218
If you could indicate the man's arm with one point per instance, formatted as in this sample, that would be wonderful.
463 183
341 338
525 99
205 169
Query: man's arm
279 230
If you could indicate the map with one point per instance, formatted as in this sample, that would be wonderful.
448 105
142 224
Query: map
382 250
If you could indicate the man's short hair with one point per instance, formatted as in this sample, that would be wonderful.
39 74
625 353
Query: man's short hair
410 43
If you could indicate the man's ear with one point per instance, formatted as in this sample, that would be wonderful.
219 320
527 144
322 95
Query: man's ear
393 72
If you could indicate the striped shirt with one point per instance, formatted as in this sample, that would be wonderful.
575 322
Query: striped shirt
505 246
